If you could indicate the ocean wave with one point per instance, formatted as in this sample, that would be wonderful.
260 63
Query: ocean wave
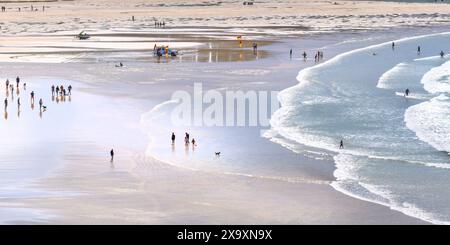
430 121
347 98
437 80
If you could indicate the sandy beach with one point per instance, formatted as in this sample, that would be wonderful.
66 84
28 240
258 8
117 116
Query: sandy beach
55 166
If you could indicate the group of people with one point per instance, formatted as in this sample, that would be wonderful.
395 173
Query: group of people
187 140
9 87
160 24
59 91
318 57
19 9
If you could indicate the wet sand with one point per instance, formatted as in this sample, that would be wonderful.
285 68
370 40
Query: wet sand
81 186
55 167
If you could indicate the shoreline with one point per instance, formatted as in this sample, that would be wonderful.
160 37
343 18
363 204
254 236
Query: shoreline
144 187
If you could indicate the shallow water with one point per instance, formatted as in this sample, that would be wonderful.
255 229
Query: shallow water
395 146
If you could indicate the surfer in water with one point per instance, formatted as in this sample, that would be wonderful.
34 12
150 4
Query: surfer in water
418 50
407 92
442 54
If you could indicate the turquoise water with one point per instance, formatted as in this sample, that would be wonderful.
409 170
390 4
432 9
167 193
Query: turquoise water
396 147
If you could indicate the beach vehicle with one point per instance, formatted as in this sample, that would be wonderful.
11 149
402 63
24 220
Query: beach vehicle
164 51
83 35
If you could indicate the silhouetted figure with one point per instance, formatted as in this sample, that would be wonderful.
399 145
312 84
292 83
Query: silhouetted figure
70 88
418 50
393 45
7 84
442 54
341 145
290 53
53 90
112 155
17 81
406 92
6 103
173 138
304 55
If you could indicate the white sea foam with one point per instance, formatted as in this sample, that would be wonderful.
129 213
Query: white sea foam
430 121
348 97
437 80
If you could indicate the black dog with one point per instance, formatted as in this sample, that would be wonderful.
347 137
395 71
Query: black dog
218 153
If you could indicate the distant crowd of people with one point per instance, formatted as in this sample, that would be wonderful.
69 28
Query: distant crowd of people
32 8
160 24
59 93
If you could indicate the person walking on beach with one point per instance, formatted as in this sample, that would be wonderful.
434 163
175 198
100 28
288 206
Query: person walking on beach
53 90
442 54
393 45
41 103
6 103
32 96
418 50
290 53
24 86
112 155
17 81
70 87
173 138
57 90
304 55
7 84
186 139
407 92
193 142
18 103
341 145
